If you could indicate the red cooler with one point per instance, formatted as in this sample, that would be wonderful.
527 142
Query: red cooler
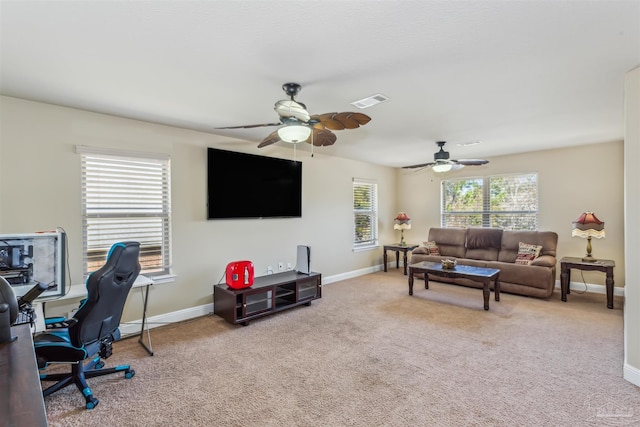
240 274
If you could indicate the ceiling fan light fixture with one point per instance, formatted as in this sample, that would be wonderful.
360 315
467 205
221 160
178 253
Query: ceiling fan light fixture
442 167
294 133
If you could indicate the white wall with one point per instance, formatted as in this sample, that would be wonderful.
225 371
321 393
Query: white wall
632 214
40 190
570 181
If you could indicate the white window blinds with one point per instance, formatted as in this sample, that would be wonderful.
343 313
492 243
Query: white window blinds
365 214
126 196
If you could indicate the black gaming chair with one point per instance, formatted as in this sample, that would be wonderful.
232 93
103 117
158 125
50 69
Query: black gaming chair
90 332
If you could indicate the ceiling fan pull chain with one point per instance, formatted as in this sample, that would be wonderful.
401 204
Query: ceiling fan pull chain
312 144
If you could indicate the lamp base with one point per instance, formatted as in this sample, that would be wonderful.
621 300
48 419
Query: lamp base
588 258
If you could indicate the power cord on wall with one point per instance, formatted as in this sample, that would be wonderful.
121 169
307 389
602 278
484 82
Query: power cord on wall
584 282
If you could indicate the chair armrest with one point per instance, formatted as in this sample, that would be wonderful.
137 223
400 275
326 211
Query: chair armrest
544 261
59 322
420 250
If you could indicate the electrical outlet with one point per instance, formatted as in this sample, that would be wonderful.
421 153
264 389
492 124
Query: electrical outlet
289 266
269 270
280 266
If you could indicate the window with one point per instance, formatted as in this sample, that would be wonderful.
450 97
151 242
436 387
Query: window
365 214
509 202
126 196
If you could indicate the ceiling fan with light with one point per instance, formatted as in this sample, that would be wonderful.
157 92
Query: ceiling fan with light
442 163
297 125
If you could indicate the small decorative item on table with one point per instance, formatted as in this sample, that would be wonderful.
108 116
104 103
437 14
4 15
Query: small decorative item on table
449 264
402 222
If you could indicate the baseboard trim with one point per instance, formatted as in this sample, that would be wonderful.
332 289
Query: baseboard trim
133 327
590 287
631 374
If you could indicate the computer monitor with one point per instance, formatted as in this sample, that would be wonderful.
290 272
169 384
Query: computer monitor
28 259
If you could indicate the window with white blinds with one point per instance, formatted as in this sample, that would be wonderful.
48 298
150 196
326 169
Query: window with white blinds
365 214
126 196
509 202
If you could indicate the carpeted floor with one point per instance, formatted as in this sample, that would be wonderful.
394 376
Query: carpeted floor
368 354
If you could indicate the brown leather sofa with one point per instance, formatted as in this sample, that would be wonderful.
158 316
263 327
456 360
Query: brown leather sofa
496 248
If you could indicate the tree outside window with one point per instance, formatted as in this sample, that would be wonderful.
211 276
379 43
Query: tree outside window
509 202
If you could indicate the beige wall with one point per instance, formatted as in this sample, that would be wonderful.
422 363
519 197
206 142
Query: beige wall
40 189
570 181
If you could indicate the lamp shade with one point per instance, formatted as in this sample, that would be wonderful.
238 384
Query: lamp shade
442 167
588 225
294 133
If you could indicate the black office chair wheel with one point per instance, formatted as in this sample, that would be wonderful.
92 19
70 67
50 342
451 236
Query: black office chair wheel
129 374
92 402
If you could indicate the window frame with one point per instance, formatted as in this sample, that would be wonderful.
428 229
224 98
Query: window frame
372 212
150 207
487 213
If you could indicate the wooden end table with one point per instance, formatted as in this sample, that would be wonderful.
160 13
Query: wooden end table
604 265
478 274
397 247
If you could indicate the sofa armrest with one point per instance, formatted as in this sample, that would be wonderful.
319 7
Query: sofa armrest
420 250
544 261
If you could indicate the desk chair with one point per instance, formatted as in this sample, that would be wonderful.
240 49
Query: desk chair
88 335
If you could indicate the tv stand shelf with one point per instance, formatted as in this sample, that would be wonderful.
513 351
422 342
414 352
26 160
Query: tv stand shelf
269 294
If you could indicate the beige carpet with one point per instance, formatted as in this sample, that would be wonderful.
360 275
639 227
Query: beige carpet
368 354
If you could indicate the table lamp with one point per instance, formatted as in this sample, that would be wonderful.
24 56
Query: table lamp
402 222
588 226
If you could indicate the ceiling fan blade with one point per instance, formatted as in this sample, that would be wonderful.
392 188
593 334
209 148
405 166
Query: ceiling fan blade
471 162
250 126
291 108
322 137
271 139
326 120
339 121
423 165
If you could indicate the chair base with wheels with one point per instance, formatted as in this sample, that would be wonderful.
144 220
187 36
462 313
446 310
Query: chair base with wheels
81 371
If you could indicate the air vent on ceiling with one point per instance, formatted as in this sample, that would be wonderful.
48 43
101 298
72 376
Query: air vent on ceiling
370 101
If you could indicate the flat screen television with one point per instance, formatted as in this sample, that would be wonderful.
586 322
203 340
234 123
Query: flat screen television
242 185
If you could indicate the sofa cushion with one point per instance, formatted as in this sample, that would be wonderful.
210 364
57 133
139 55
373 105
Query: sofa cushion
527 253
511 243
432 248
450 240
483 243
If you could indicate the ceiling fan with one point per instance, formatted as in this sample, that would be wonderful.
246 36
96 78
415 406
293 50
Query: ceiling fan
299 126
442 163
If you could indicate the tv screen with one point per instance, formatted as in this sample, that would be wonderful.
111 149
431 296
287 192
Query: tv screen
244 185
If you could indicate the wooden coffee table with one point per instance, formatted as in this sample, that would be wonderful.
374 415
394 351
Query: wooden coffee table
478 274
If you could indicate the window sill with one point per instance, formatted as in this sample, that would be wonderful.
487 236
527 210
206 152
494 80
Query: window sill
164 278
366 248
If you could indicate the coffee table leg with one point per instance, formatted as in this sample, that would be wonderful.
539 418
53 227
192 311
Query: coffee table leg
485 294
410 281
426 281
496 288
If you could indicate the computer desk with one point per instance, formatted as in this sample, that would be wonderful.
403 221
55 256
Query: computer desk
21 402
80 291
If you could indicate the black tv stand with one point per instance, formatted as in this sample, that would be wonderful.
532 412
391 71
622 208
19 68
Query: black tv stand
269 294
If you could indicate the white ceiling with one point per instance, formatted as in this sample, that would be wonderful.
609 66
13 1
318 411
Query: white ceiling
519 76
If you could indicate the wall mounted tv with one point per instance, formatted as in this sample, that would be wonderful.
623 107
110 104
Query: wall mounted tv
242 185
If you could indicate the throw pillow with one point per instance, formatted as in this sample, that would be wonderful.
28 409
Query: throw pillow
527 253
432 247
